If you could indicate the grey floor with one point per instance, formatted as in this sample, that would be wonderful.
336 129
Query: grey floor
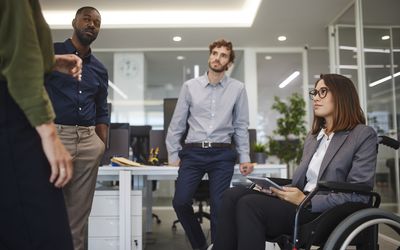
164 237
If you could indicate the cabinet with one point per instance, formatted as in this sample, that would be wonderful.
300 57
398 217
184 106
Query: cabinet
104 221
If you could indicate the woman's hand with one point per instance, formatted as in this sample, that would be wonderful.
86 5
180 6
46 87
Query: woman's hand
59 158
290 194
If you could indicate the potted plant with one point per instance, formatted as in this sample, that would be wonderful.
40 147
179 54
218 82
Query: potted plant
288 138
260 153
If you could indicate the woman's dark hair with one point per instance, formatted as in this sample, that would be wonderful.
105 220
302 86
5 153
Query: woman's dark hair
223 43
347 112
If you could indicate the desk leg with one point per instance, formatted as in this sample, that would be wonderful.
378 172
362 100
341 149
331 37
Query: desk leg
149 205
125 210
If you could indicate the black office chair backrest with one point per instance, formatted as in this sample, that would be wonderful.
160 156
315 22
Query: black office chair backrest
139 141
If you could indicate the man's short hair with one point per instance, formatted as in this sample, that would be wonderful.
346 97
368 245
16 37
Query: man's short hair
80 10
223 43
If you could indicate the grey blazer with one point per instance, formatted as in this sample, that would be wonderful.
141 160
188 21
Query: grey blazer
350 157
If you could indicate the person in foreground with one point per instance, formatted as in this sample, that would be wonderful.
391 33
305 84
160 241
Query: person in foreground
339 147
82 118
35 164
215 107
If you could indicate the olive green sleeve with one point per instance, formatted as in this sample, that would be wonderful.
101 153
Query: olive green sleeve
23 60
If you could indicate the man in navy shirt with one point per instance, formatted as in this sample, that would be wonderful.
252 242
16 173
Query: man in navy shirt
81 118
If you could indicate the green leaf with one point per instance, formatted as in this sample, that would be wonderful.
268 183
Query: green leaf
290 125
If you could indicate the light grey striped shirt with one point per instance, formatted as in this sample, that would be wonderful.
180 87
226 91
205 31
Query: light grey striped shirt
214 112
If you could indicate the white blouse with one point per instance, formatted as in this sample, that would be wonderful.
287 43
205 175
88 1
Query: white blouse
316 161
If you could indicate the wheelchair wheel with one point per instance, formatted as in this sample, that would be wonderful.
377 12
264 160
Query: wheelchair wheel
355 223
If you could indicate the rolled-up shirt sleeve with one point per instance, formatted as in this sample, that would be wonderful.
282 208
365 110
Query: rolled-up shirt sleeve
102 116
25 55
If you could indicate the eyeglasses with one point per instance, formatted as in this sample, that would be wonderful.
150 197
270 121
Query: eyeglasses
322 92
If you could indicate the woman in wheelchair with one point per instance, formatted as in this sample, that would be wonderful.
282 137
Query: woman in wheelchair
339 147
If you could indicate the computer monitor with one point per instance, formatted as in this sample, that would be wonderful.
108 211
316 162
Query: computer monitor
118 142
169 108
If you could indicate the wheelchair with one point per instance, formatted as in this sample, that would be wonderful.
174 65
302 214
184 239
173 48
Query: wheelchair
350 223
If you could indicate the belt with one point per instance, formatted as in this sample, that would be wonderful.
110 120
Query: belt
207 144
73 128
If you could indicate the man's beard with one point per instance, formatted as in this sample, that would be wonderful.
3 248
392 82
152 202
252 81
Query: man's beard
218 70
84 39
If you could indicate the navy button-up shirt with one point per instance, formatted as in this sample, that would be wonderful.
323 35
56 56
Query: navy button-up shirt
84 102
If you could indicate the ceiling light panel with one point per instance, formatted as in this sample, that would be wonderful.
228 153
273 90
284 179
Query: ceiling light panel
244 17
290 78
282 38
177 38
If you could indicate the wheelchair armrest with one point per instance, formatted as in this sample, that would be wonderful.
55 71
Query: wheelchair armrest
344 187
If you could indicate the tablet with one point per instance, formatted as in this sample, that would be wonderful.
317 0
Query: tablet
264 182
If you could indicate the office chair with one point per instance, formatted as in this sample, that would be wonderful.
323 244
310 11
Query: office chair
202 195
347 224
139 141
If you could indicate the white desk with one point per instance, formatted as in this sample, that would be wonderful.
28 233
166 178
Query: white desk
142 176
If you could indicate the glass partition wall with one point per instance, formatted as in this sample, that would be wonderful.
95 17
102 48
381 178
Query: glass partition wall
140 80
273 69
377 60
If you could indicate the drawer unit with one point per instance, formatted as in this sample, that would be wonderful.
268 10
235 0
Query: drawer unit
106 203
105 226
104 221
112 243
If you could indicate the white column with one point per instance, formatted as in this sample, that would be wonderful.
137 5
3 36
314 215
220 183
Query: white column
250 79
306 83
362 86
333 49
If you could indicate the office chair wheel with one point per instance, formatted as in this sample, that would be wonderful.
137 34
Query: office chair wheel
158 220
174 225
349 228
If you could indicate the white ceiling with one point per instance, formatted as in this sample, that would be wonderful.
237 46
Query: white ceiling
304 22
142 4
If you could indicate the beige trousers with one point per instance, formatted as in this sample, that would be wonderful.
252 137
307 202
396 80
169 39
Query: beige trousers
86 149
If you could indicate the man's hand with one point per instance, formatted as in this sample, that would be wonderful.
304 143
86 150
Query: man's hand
69 64
58 157
290 194
246 168
101 131
174 164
